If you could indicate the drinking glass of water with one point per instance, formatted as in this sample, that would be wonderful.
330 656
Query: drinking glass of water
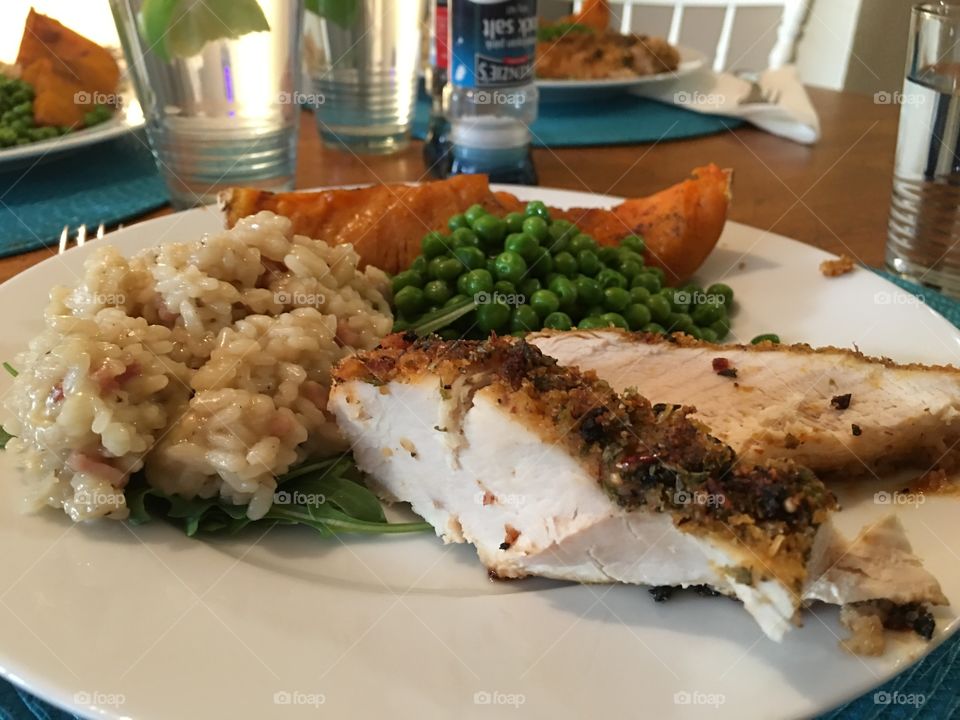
923 238
218 81
363 58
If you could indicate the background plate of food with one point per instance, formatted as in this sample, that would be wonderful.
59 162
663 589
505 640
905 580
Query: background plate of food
114 619
64 92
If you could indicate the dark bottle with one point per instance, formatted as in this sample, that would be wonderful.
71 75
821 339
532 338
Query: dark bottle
436 145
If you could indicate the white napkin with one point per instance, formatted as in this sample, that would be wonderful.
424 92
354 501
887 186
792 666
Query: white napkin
791 115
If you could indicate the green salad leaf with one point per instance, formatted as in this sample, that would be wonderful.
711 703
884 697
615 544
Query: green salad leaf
327 496
553 32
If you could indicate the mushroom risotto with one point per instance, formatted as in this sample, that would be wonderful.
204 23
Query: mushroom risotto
204 363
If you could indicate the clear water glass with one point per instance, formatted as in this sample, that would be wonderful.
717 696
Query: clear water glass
923 238
225 116
363 70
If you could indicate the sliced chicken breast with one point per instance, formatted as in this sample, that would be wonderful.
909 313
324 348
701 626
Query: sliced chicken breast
832 410
549 472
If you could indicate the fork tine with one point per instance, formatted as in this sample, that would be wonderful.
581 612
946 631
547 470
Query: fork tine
81 236
101 231
64 237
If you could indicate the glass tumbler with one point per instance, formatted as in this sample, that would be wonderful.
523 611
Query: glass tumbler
226 111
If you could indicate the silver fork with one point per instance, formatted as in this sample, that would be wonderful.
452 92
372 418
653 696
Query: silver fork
81 237
757 95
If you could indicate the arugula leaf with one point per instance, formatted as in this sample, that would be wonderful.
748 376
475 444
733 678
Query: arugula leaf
553 32
327 496
439 319
4 438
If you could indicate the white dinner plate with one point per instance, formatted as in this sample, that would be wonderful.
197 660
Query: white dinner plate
112 621
128 119
567 90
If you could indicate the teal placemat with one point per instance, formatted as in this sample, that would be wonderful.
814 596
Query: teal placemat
930 689
614 120
106 183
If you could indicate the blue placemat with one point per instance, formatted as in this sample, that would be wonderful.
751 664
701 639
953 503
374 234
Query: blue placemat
928 689
614 120
105 183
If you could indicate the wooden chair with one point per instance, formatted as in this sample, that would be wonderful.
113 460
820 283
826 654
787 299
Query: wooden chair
793 14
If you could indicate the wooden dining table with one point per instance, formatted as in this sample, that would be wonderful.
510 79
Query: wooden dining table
834 194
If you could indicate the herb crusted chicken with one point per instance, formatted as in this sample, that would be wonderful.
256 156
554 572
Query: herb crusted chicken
549 472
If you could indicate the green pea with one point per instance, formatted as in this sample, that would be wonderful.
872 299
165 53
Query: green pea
766 337
449 333
639 294
510 266
723 290
593 322
589 291
458 221
708 312
543 264
558 321
524 245
582 242
635 243
470 258
721 327
409 301
694 332
630 269
661 275
588 262
406 278
654 328
592 310
679 300
561 232
434 244
529 286
473 212
647 280
514 222
492 316
708 335
464 237
564 289
609 255
615 298
616 320
611 278
680 322
444 268
490 229
504 288
492 266
565 264
524 318
437 292
637 316
544 302
536 227
537 208
660 308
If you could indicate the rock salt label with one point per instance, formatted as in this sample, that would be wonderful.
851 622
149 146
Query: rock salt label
492 42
